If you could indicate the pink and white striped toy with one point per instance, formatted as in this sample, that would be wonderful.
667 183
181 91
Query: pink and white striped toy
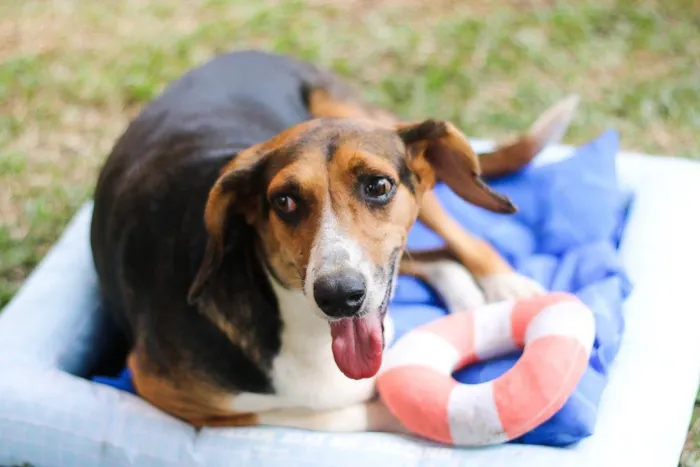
556 331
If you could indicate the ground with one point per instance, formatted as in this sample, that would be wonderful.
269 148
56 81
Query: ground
72 73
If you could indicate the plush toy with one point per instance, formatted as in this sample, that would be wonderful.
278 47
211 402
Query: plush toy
556 332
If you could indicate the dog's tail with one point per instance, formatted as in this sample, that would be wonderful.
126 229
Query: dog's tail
549 128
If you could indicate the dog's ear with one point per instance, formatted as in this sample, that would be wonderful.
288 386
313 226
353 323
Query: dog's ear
234 193
439 151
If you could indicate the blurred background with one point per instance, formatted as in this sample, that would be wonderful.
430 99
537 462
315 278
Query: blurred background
72 73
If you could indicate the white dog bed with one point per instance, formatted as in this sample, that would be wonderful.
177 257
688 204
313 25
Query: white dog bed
50 333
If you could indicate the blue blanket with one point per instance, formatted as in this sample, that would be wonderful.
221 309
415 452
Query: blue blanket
565 235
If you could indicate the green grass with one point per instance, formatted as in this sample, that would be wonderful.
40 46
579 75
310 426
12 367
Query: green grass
73 72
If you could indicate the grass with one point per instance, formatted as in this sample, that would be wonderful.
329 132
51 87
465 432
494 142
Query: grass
72 72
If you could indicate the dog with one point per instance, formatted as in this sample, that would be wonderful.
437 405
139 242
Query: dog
248 229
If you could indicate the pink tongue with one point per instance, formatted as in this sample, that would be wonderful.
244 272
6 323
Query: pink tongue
357 345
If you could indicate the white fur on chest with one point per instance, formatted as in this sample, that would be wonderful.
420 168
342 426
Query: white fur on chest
304 373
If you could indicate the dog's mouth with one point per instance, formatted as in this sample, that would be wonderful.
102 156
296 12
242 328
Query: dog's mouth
358 342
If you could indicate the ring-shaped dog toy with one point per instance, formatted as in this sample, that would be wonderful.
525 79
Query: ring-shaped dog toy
556 332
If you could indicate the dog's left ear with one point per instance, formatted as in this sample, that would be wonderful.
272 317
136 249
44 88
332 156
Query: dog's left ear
234 193
439 151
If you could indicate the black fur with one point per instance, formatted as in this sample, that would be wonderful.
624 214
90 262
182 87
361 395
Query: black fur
148 237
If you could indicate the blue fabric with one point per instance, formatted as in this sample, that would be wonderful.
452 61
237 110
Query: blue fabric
565 235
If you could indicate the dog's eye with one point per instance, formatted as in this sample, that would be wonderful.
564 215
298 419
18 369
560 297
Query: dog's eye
378 188
284 204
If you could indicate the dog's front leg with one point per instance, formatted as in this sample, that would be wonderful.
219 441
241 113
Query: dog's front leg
368 416
450 279
491 271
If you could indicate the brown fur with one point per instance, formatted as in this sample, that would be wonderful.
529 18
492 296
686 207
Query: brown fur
380 231
288 250
191 399
230 192
322 103
233 330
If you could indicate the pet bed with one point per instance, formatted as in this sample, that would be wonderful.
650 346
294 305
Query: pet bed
632 406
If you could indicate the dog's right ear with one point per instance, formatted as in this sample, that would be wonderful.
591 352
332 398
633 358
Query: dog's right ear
233 193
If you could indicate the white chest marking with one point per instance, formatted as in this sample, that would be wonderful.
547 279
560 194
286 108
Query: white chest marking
304 373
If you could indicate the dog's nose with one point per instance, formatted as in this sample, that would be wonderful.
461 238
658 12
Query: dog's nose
340 295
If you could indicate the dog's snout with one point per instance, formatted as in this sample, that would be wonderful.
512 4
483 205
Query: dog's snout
340 295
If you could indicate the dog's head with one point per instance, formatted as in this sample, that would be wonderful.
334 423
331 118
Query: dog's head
332 201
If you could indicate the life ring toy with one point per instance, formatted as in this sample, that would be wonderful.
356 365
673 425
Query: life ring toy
555 330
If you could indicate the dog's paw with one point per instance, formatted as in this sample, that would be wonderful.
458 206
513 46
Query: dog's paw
511 286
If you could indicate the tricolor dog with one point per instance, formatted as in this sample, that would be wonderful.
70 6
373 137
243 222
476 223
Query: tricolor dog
249 227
